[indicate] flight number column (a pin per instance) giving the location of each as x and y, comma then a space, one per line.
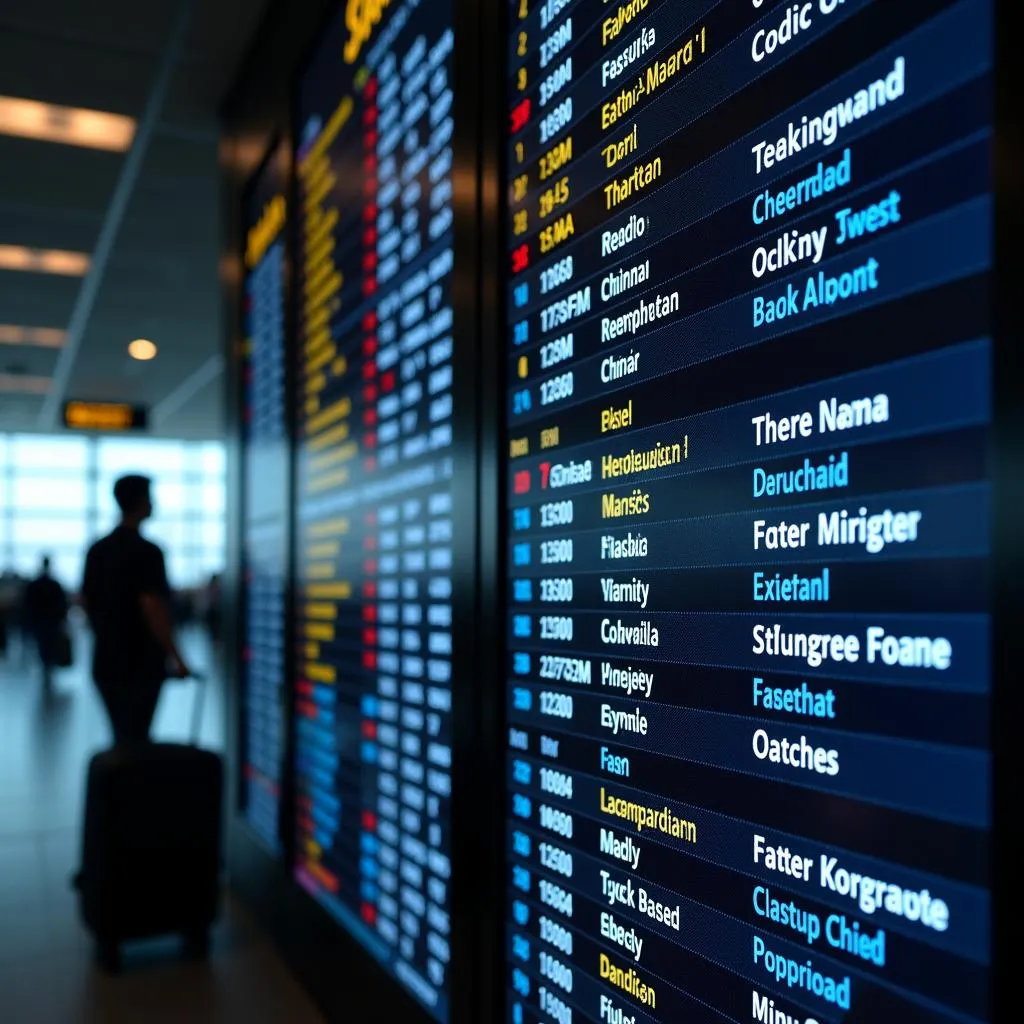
543, 947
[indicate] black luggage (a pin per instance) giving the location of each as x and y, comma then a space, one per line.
151, 845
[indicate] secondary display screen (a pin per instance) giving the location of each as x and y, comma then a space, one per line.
374, 531
265, 496
749, 407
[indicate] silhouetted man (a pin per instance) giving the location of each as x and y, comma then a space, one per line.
127, 600
46, 608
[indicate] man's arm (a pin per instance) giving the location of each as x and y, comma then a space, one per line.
156, 610
157, 614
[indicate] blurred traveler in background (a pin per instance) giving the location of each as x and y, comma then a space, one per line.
12, 610
128, 603
46, 612
6, 610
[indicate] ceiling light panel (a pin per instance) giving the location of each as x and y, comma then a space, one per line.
43, 261
69, 126
39, 337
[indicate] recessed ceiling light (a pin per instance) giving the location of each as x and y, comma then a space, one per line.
43, 261
41, 337
70, 126
142, 349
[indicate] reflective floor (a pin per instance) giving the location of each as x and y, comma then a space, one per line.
47, 972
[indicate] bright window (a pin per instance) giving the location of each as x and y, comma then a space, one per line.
67, 568
67, 494
212, 534
181, 570
53, 502
170, 497
117, 456
34, 453
211, 561
168, 533
45, 532
213, 499
213, 459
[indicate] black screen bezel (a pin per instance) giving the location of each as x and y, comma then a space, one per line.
278, 150
1008, 489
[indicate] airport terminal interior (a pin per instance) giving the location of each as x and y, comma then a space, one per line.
506, 511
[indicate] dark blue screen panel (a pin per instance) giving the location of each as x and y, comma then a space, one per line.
748, 501
265, 504
374, 506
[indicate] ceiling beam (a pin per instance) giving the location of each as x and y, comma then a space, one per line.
188, 388
55, 32
115, 216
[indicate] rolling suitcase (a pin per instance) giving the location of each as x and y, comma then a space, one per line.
151, 843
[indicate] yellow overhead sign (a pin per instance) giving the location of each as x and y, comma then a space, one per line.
104, 416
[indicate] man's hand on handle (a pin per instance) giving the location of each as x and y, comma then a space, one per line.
157, 613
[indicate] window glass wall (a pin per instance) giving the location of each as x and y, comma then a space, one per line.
56, 497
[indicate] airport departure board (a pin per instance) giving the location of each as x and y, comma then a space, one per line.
265, 495
748, 472
374, 503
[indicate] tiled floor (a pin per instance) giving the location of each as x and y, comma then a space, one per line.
47, 974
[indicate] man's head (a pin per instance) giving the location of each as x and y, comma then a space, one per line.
132, 496
45, 564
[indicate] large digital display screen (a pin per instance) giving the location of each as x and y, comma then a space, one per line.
748, 503
374, 484
266, 470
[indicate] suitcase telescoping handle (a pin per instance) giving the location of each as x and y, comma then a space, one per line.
197, 707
